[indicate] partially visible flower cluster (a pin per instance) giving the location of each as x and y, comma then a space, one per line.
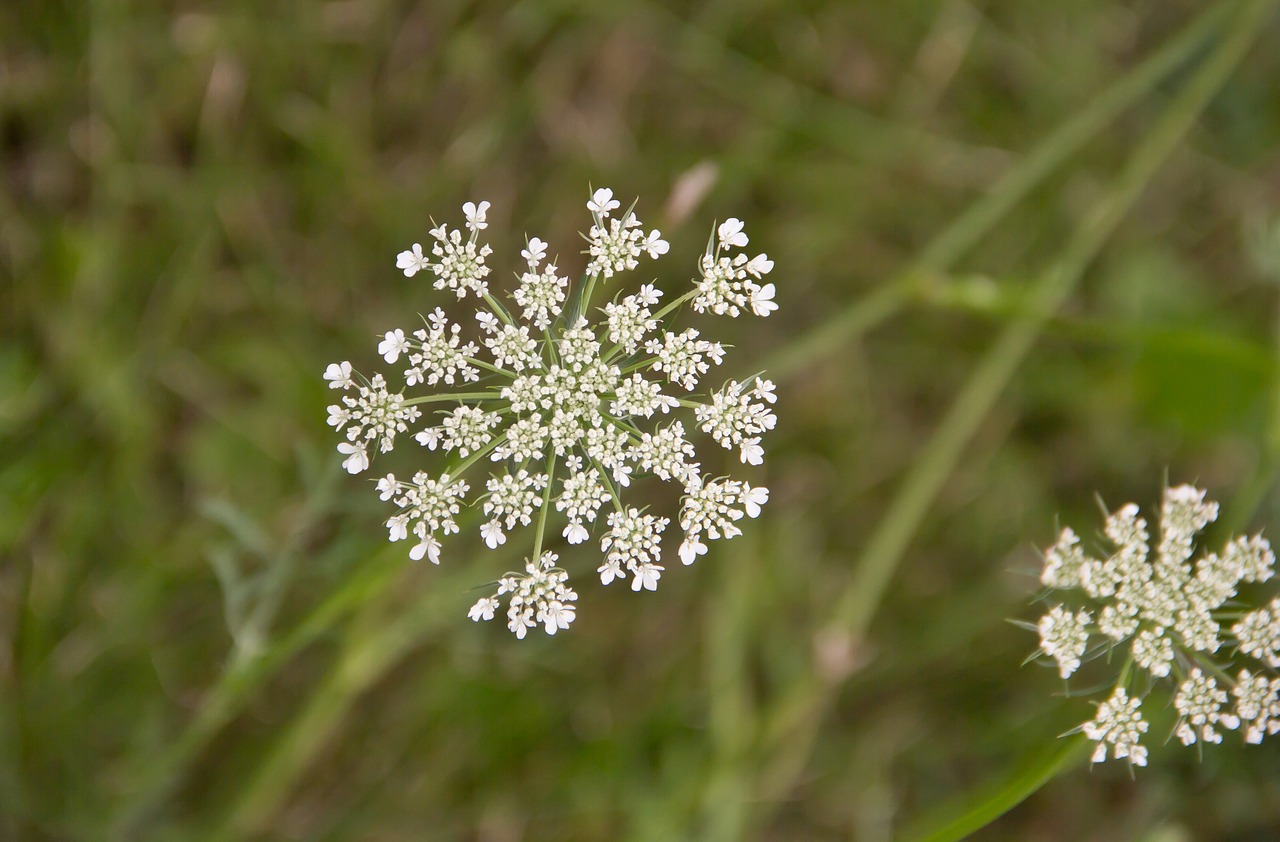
568, 401
1178, 621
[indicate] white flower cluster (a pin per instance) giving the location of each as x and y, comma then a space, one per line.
1177, 618
569, 401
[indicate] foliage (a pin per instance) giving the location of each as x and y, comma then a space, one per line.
1010, 253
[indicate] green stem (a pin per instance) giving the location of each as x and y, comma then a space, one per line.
540, 531
455, 396
943, 451
497, 309
461, 468
239, 681
490, 367
584, 306
977, 810
791, 732
637, 365
661, 314
963, 233
1266, 470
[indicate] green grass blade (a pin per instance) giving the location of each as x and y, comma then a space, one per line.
976, 811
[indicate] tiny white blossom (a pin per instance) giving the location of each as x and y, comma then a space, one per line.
655, 245
492, 534
602, 202
357, 457
753, 499
646, 577
731, 234
690, 549
393, 345
1064, 636
759, 266
428, 547
483, 610
339, 375
412, 262
387, 487
1199, 703
535, 252
762, 303
1118, 725
475, 215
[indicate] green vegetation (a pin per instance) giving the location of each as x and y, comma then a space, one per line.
1026, 254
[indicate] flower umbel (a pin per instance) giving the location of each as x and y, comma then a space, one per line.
1175, 619
567, 400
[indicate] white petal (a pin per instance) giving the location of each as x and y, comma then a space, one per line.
492, 534
753, 499
387, 487
731, 234
357, 459
690, 549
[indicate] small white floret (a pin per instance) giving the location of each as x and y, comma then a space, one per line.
393, 345
483, 610
535, 252
339, 375
655, 245
602, 202
357, 457
429, 547
476, 216
387, 487
731, 233
762, 303
412, 262
690, 549
754, 498
492, 534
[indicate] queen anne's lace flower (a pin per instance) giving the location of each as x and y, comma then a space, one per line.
1177, 619
568, 400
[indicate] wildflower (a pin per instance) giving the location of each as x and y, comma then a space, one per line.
1119, 725
540, 596
563, 401
1063, 637
1199, 703
1168, 611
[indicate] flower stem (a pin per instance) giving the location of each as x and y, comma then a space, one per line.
455, 396
542, 513
674, 304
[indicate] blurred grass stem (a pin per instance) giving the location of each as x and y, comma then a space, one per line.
961, 235
790, 734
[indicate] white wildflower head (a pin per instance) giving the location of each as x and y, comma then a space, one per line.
1063, 637
538, 597
1116, 729
1200, 702
730, 281
1176, 621
557, 400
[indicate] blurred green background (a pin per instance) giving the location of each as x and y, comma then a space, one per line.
203, 632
